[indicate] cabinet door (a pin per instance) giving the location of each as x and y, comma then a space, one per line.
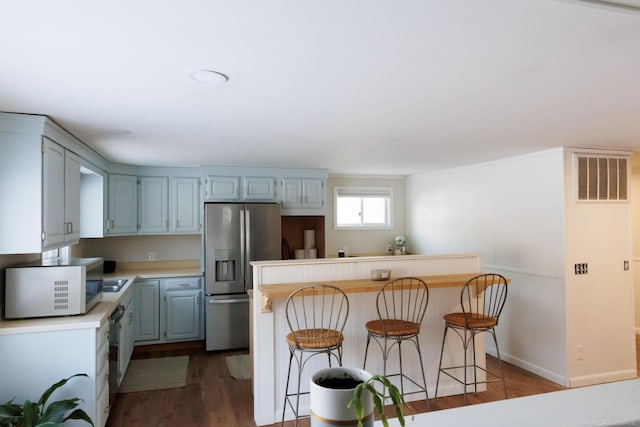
291, 193
183, 315
221, 188
185, 205
71, 197
123, 204
125, 349
313, 194
259, 188
146, 322
53, 195
154, 204
303, 196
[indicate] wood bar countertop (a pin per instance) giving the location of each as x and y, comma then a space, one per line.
283, 290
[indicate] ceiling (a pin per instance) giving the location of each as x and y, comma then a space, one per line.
357, 87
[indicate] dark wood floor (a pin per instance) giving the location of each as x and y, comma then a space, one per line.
212, 397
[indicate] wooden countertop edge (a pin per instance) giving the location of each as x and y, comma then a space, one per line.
283, 290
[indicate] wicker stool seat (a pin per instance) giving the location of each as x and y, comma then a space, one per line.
401, 304
315, 338
392, 327
470, 320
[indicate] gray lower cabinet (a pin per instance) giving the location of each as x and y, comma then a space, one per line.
147, 308
169, 310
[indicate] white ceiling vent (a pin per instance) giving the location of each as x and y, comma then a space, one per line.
601, 178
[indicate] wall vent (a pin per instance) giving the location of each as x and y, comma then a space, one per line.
601, 178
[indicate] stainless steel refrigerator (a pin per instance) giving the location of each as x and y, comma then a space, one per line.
235, 235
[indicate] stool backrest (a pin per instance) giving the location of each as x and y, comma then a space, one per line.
317, 307
492, 288
405, 298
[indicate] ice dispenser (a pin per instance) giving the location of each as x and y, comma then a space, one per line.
225, 265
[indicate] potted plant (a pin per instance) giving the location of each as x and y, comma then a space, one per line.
32, 414
340, 395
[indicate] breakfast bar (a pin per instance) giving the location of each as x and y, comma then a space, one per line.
275, 280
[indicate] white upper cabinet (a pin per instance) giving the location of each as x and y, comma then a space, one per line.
154, 205
40, 177
259, 188
300, 191
61, 196
123, 204
185, 205
53, 226
302, 196
222, 188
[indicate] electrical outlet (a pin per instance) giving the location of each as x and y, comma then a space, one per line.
152, 256
389, 249
579, 352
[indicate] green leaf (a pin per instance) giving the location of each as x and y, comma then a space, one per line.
79, 414
9, 411
30, 414
47, 393
56, 411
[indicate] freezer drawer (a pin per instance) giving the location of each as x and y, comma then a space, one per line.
227, 321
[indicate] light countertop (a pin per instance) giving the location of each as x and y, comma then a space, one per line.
99, 314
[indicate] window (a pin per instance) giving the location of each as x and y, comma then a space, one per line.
362, 208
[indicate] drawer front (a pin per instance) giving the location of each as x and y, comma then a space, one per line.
102, 335
102, 378
102, 406
102, 356
182, 283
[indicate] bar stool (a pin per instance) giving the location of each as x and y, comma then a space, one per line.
482, 300
401, 304
316, 316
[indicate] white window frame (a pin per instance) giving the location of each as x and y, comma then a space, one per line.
363, 192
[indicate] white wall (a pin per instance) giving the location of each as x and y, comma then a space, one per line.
364, 241
510, 211
599, 304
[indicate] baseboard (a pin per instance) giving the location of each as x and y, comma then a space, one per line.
605, 377
534, 369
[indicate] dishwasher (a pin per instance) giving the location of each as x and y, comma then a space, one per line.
115, 332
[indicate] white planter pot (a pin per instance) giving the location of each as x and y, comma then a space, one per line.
329, 405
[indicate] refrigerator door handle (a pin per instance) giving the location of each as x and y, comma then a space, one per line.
242, 247
229, 301
248, 278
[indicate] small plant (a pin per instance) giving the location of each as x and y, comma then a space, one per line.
38, 414
378, 399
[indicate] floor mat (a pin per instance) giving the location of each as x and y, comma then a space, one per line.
155, 374
239, 366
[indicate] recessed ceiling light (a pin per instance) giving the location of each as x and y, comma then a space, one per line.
208, 76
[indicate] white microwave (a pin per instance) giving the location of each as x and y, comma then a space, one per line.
46, 289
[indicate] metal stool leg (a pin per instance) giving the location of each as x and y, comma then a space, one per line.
424, 378
286, 388
366, 351
444, 337
475, 373
504, 382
